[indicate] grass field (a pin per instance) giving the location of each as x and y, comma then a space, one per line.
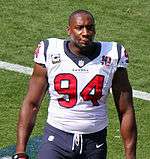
25, 23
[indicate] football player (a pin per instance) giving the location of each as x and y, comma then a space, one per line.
78, 74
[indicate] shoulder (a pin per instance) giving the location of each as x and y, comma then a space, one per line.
107, 46
110, 48
53, 40
54, 43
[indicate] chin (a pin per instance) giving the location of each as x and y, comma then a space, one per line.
86, 45
83, 45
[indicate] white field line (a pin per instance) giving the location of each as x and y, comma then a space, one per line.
28, 71
16, 68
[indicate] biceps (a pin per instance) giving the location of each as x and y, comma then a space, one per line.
120, 81
122, 91
37, 88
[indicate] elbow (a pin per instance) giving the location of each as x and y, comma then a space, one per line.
30, 106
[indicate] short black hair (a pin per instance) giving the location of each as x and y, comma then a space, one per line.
80, 11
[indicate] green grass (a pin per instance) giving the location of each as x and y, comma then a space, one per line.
13, 88
25, 23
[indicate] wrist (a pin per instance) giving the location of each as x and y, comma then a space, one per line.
20, 156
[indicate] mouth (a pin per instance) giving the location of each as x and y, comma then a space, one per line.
85, 41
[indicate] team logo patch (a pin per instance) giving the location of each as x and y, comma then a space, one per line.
81, 63
55, 58
51, 138
106, 60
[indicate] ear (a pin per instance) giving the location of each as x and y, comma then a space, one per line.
68, 30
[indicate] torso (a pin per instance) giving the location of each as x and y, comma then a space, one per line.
79, 86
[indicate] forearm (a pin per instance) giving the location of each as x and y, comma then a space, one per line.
129, 134
25, 125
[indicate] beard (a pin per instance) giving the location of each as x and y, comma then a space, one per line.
84, 49
81, 46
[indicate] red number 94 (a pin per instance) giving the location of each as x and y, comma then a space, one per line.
92, 91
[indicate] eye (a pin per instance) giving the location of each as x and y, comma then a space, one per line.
91, 27
78, 27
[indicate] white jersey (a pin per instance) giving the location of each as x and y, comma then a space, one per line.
79, 86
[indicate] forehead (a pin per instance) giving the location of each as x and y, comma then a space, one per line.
81, 19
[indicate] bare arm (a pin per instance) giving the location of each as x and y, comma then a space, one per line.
122, 93
27, 116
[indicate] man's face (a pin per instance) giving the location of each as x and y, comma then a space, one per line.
81, 30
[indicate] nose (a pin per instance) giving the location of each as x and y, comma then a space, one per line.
85, 31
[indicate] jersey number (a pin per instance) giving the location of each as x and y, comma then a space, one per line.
66, 84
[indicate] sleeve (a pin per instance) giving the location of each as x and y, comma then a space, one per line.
39, 56
124, 59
